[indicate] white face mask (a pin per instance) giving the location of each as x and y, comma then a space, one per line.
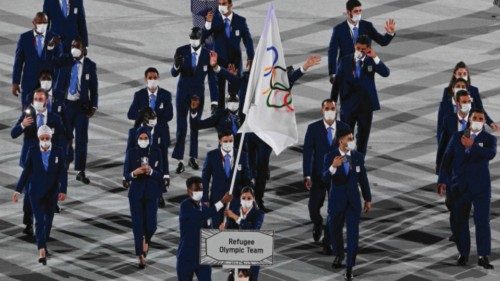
223, 9
195, 43
45, 145
329, 115
197, 195
143, 143
247, 204
41, 28
152, 122
227, 146
76, 53
351, 145
152, 84
243, 278
466, 107
358, 55
46, 84
233, 106
476, 126
39, 106
356, 18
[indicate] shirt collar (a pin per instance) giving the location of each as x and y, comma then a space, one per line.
460, 117
333, 126
351, 26
198, 52
342, 153
224, 153
43, 34
244, 216
476, 133
43, 113
152, 93
230, 17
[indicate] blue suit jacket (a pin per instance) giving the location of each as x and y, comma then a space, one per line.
228, 49
221, 120
71, 27
27, 63
357, 91
144, 186
88, 84
357, 175
253, 220
341, 43
213, 170
157, 142
468, 173
450, 127
193, 82
163, 109
446, 108
43, 183
316, 146
192, 218
59, 138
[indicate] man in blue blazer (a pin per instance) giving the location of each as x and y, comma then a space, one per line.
465, 172
319, 141
32, 118
218, 170
34, 53
193, 217
77, 85
356, 87
44, 180
228, 30
67, 19
160, 101
343, 170
192, 65
345, 35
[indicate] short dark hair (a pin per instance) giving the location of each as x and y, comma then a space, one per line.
462, 93
459, 65
248, 189
325, 101
40, 90
45, 72
151, 69
364, 39
351, 4
477, 110
224, 133
193, 180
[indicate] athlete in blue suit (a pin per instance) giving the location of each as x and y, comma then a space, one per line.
67, 19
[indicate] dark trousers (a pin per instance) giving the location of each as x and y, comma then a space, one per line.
43, 211
77, 122
317, 195
259, 153
144, 220
363, 120
183, 107
462, 204
27, 210
186, 269
344, 211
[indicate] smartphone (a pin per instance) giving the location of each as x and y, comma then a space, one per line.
467, 133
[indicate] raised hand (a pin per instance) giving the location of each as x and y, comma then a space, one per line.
390, 26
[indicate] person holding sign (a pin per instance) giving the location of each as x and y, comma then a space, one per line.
144, 169
192, 218
344, 169
249, 216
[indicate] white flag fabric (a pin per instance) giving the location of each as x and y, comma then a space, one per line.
268, 102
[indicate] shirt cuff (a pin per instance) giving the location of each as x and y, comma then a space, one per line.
176, 68
208, 25
214, 103
132, 175
219, 206
308, 178
94, 107
166, 176
193, 115
376, 60
50, 48
216, 69
303, 69
22, 126
333, 170
238, 221
333, 75
151, 172
392, 34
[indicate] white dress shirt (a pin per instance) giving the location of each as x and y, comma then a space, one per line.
332, 169
460, 119
224, 155
208, 25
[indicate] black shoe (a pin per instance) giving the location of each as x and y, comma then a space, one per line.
348, 274
193, 164
462, 261
161, 202
484, 262
142, 265
43, 260
180, 168
28, 230
58, 209
82, 177
337, 262
47, 254
263, 208
451, 238
317, 229
327, 251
